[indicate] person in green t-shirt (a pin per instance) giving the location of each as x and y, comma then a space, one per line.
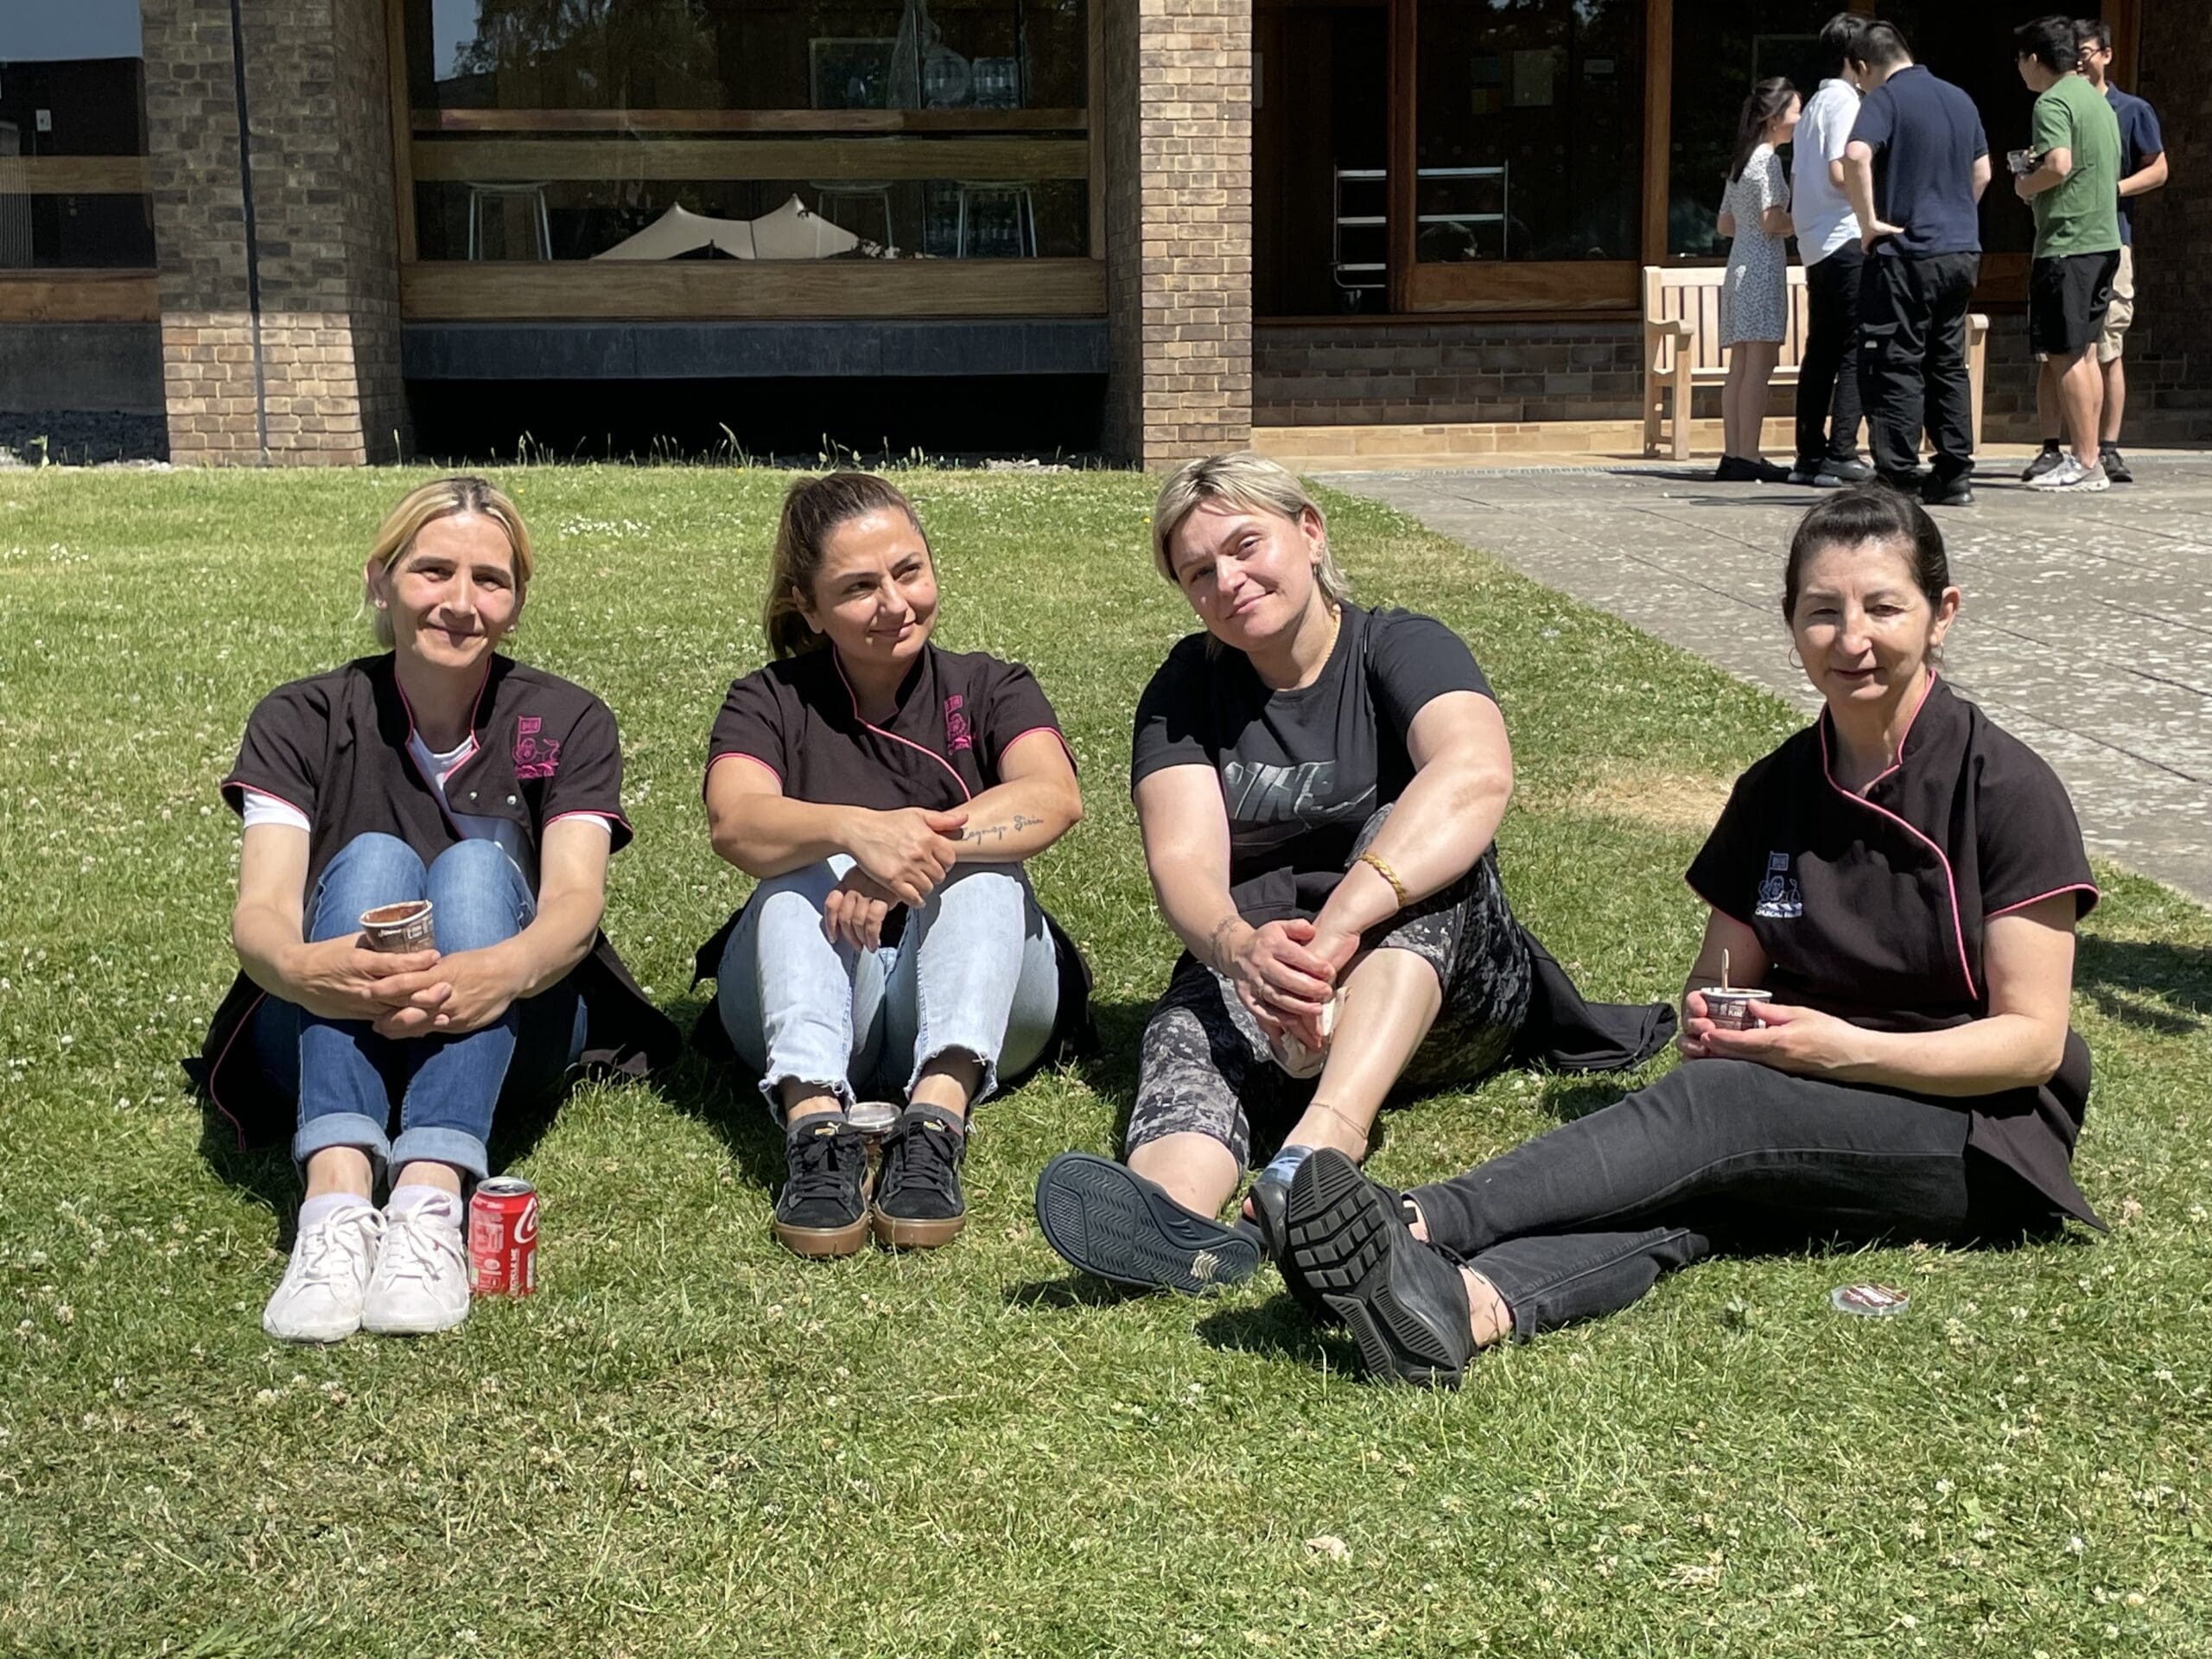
2074, 186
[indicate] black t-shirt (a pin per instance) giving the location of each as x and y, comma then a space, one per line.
1875, 906
957, 714
1926, 136
1302, 769
334, 746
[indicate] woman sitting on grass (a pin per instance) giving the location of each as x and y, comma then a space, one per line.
1317, 786
885, 793
439, 771
1901, 879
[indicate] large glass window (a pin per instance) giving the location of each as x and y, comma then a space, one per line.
1529, 130
732, 128
73, 137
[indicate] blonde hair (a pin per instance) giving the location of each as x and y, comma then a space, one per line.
447, 498
813, 507
1253, 482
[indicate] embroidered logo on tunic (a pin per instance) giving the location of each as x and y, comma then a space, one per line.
535, 756
1778, 893
956, 735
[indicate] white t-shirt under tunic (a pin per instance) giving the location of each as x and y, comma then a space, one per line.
267, 808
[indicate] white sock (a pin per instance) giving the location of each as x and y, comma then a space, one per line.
420, 1195
328, 1206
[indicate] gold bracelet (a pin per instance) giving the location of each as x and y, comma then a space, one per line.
1388, 875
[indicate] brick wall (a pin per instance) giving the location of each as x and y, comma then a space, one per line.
1179, 226
327, 385
1356, 373
2170, 350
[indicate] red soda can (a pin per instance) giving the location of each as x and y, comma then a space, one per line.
503, 1237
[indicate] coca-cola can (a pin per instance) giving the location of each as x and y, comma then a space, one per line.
503, 1237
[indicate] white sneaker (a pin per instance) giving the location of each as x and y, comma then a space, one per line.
2070, 474
319, 1299
421, 1283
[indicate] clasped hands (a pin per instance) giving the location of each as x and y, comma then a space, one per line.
1285, 972
898, 858
405, 994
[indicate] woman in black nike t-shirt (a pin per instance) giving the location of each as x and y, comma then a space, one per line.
1317, 786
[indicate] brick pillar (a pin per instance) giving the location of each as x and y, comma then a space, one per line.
326, 384
2169, 347
1179, 226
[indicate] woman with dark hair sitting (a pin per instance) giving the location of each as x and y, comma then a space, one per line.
885, 792
1901, 880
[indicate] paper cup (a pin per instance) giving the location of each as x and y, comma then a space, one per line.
1869, 1301
397, 928
1293, 1057
1730, 1007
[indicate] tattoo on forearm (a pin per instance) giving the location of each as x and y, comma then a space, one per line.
1214, 942
997, 832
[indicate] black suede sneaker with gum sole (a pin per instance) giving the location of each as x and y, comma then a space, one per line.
822, 1209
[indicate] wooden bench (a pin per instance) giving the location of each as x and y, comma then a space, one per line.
1681, 347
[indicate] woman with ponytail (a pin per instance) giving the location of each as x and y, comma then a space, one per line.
885, 793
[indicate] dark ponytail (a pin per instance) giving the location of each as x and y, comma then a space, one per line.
1864, 514
813, 508
1768, 100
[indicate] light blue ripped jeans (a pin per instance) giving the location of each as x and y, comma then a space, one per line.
975, 971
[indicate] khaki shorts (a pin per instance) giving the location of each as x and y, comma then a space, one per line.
2122, 311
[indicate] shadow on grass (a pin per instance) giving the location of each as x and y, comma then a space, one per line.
266, 1172
2119, 975
1073, 1290
722, 1095
1277, 1329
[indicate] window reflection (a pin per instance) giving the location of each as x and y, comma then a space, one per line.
1530, 122
744, 54
73, 89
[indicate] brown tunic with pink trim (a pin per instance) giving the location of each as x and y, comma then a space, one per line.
1874, 906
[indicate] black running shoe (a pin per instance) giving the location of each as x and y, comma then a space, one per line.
1946, 493
1270, 1201
2050, 457
1403, 1300
822, 1209
1104, 1217
2115, 464
1847, 469
918, 1205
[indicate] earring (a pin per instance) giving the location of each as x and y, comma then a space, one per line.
1795, 661
382, 606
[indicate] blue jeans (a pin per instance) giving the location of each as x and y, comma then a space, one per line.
346, 1076
976, 971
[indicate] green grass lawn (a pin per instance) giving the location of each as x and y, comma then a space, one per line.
692, 1443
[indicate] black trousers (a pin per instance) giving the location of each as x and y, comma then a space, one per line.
1912, 361
1827, 401
1717, 1154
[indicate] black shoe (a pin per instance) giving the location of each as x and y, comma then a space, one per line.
1403, 1300
1734, 469
1954, 493
1847, 469
2115, 464
918, 1205
1764, 471
822, 1209
1104, 1217
1270, 1221
2049, 456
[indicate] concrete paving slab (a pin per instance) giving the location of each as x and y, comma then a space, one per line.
2086, 630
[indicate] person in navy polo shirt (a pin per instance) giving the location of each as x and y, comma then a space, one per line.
443, 770
1903, 879
885, 792
1914, 169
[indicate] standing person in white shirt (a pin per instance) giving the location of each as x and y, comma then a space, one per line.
1827, 240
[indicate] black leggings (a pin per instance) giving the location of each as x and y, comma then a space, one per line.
1716, 1155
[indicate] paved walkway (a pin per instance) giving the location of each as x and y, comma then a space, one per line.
2087, 631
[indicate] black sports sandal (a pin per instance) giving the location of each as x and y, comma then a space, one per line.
918, 1205
1403, 1300
1106, 1219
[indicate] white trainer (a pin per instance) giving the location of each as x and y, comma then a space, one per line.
421, 1282
319, 1299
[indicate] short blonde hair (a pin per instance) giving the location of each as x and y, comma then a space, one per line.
1250, 480
446, 498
